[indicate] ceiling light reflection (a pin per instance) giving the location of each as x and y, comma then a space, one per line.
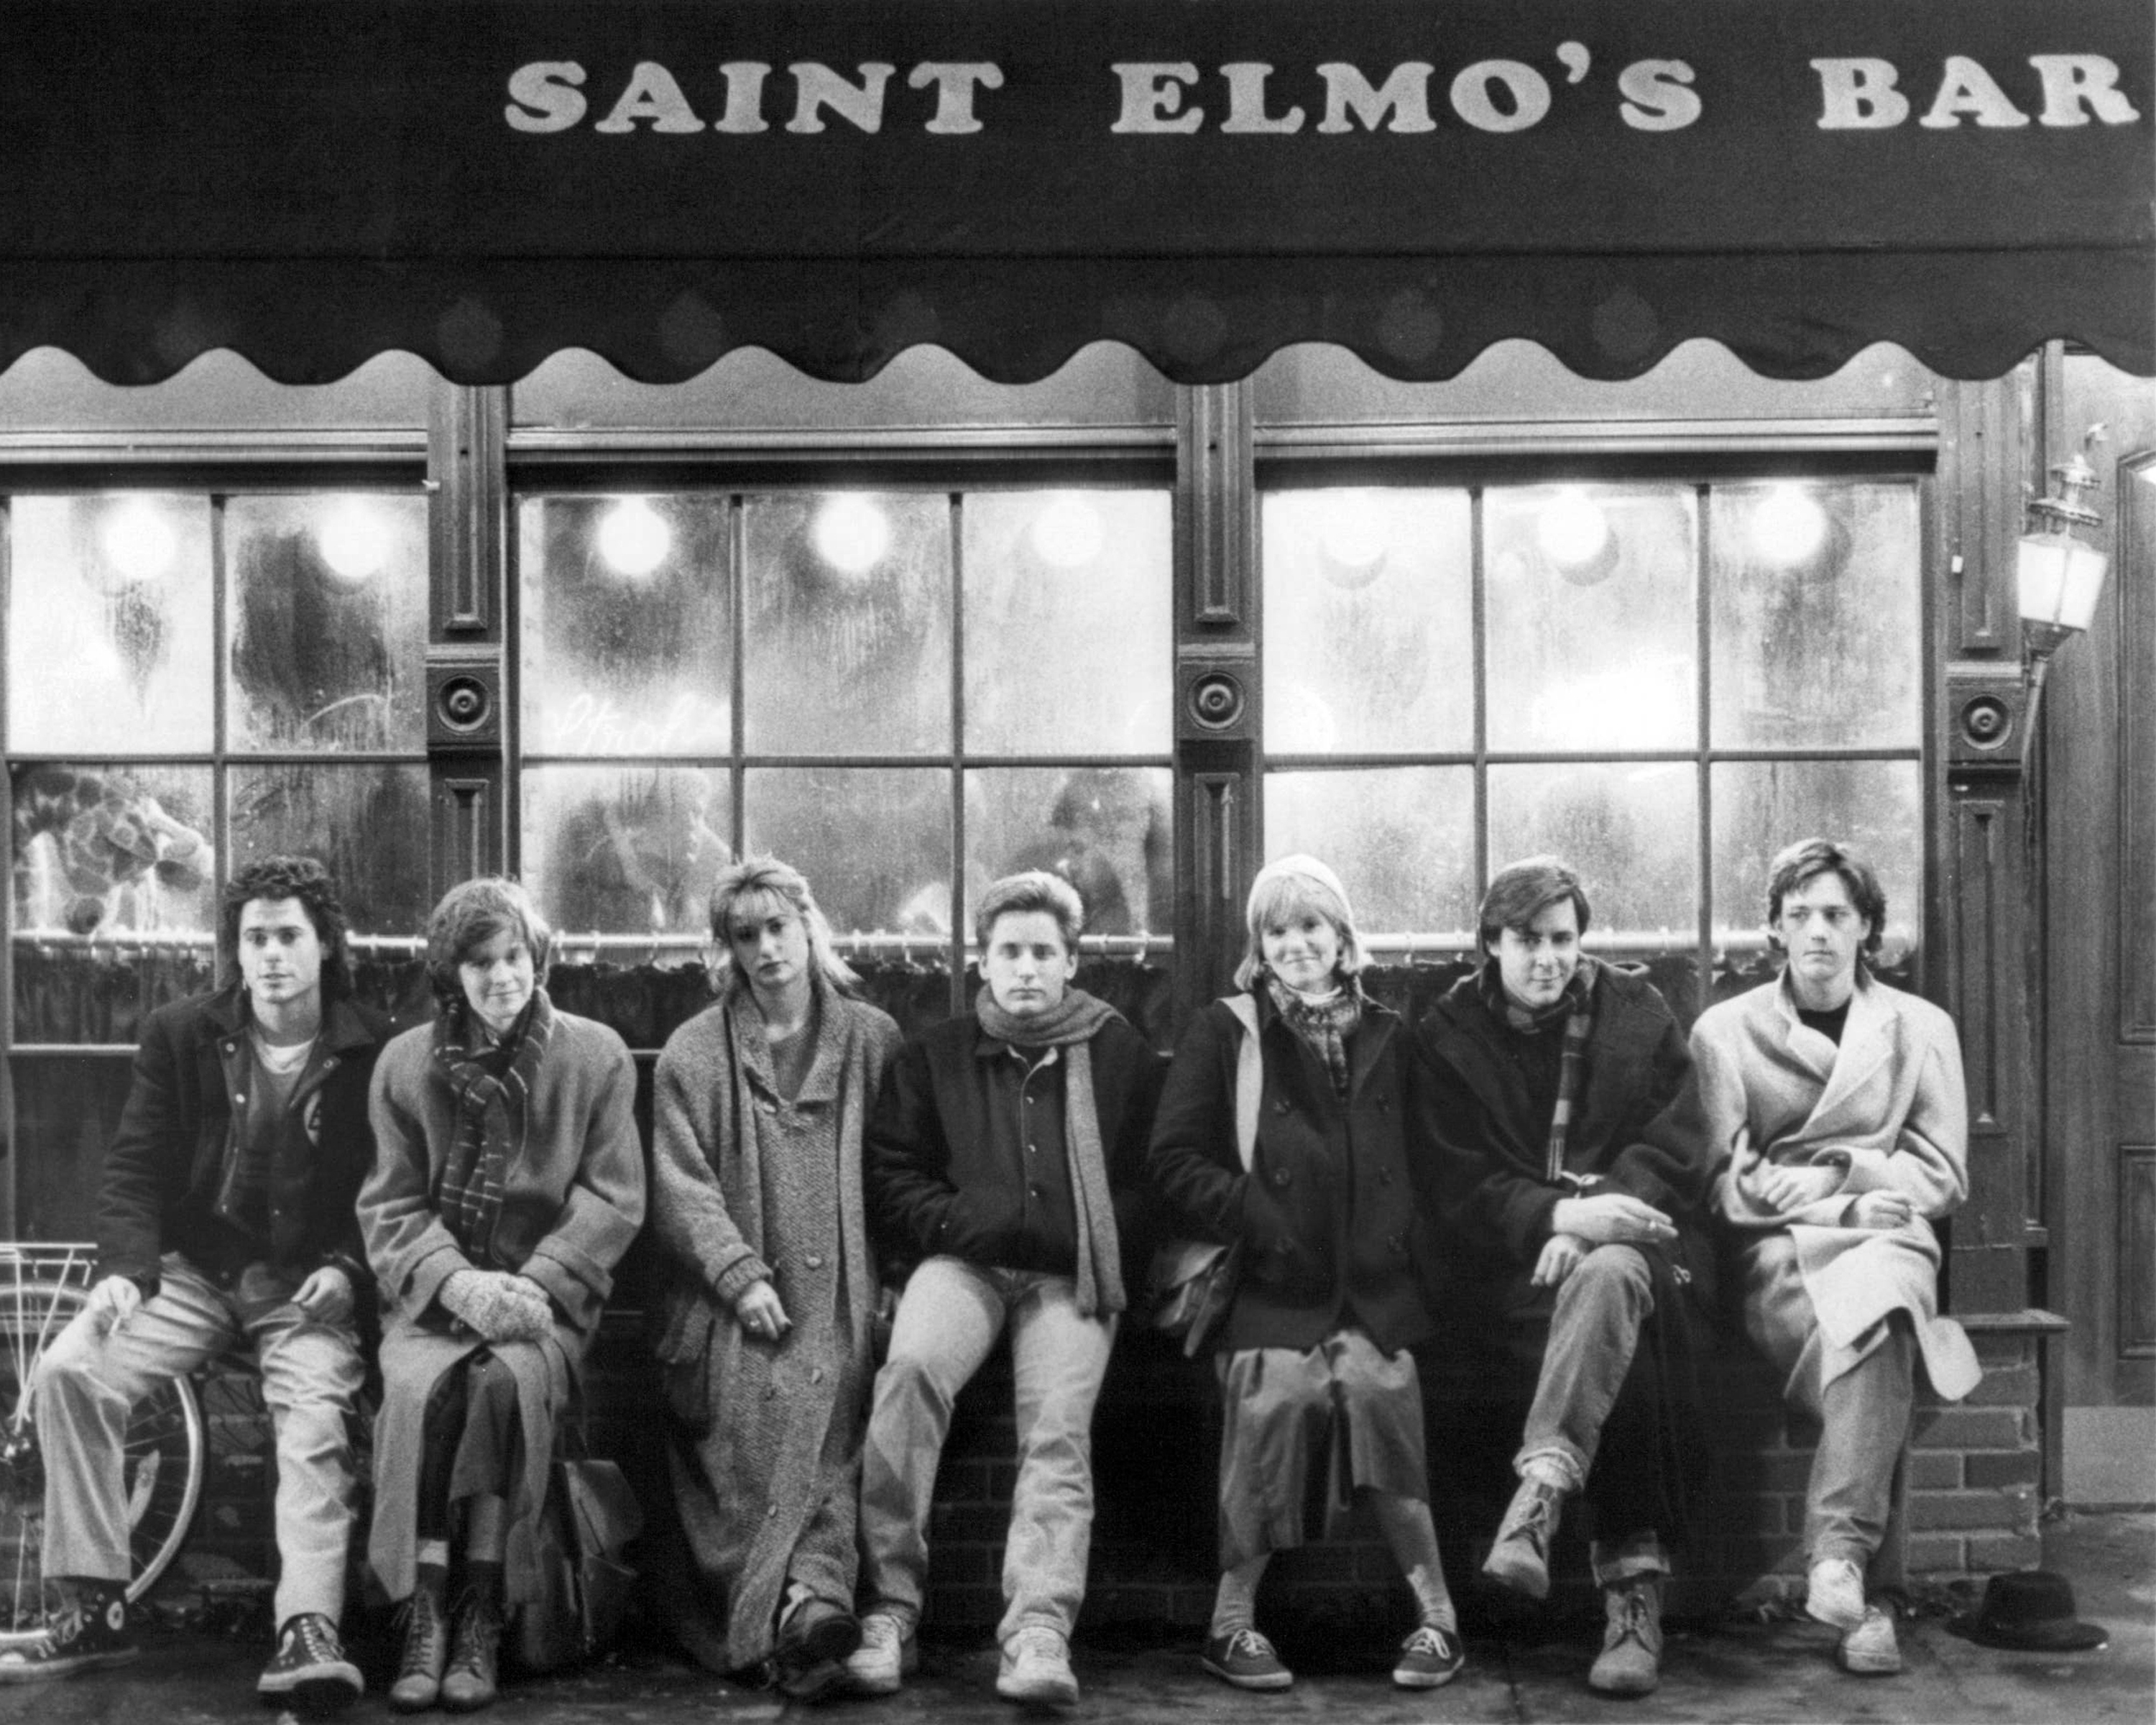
852, 534
139, 540
354, 540
1068, 533
635, 539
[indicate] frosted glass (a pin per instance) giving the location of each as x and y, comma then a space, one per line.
1823, 647
626, 660
849, 627
113, 850
1401, 839
1592, 637
626, 849
1067, 637
327, 622
1632, 832
874, 842
367, 825
1107, 830
109, 630
1368, 609
1761, 806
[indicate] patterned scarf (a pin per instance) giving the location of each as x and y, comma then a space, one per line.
1574, 1008
1070, 1025
491, 1091
1324, 1021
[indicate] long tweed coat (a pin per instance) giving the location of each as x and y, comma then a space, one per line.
1885, 1110
573, 1203
748, 1186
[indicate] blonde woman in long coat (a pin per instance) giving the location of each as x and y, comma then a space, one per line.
758, 1114
507, 1183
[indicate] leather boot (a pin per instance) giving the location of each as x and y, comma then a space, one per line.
474, 1654
1631, 1658
426, 1626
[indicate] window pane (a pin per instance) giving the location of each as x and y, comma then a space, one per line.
1818, 636
628, 625
1401, 839
1761, 806
367, 825
1107, 830
1067, 642
109, 646
328, 622
875, 844
67, 1109
1592, 632
1631, 832
1368, 621
626, 849
849, 635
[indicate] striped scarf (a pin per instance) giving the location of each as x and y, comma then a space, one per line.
1323, 1021
490, 1088
1575, 1010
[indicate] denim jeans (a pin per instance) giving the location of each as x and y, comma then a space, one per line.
311, 1374
948, 1320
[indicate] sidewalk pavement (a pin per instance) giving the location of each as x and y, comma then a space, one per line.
1760, 1673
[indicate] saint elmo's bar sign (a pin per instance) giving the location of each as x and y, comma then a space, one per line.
481, 180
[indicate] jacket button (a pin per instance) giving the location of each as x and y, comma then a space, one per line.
771, 1514
815, 1263
1283, 1106
817, 1375
1396, 1243
1384, 1177
1280, 1177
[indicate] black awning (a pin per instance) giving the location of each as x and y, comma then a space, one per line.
482, 182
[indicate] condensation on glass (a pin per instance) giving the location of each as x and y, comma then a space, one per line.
625, 850
367, 825
1816, 618
628, 625
1368, 609
109, 619
1066, 616
1401, 839
1590, 633
875, 844
1107, 830
326, 622
1631, 830
847, 626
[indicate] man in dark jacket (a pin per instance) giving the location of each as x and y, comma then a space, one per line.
1573, 1162
1005, 1164
225, 1219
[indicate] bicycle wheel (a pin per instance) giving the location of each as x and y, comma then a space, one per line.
162, 1466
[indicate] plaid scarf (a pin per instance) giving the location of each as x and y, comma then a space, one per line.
1324, 1021
1574, 1008
490, 1088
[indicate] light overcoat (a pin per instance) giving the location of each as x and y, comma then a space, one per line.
573, 1203
1885, 1110
748, 1186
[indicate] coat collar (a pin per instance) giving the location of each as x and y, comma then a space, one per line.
344, 1027
1379, 1021
835, 1027
1867, 1040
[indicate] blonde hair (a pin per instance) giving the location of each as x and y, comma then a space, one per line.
1283, 898
767, 877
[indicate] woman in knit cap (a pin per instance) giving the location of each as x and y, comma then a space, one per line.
758, 1114
1316, 1380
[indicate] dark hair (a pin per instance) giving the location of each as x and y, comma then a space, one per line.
472, 913
1521, 892
1798, 865
300, 877
1035, 890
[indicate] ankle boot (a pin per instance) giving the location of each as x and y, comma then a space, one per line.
426, 1632
474, 1654
1631, 1658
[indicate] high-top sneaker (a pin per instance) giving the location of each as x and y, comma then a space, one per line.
88, 1633
309, 1668
474, 1654
426, 1654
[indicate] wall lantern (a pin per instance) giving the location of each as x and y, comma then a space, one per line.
2060, 571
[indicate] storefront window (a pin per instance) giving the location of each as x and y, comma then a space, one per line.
1672, 681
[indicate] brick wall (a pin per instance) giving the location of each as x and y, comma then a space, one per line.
1973, 1500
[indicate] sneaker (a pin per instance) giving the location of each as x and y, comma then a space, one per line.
887, 1656
1035, 1669
1871, 1649
87, 1634
425, 1629
815, 1639
1833, 1593
1245, 1659
1429, 1658
474, 1673
308, 1671
1631, 1662
1519, 1559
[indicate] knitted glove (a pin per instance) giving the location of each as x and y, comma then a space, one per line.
500, 1307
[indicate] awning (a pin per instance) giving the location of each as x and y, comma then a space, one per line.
482, 182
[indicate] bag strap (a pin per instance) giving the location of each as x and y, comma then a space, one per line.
1249, 1079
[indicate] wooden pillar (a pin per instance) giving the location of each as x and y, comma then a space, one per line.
1217, 698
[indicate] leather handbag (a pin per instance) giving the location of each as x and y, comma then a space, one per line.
1191, 1283
583, 1527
